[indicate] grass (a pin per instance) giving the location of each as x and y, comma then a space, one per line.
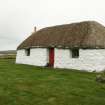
29, 85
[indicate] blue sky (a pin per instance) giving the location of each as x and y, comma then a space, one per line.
18, 17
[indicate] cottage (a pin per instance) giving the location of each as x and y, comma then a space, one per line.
78, 46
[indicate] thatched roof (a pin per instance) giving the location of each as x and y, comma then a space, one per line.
88, 34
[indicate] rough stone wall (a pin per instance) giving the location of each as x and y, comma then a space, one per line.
89, 59
38, 57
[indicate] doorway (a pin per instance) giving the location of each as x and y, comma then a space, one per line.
51, 57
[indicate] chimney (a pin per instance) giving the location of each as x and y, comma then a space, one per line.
34, 29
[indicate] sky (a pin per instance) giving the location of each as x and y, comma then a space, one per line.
19, 17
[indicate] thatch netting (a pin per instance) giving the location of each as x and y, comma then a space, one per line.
88, 34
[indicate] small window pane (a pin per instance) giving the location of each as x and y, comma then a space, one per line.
75, 53
28, 52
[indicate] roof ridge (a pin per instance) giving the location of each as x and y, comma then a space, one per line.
73, 23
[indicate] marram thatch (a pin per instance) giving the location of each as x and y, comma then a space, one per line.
88, 34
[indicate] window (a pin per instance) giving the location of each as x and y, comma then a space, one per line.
28, 52
75, 53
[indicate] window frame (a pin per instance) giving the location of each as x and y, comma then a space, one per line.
75, 53
27, 52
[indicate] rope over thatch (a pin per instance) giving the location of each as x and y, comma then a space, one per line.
88, 34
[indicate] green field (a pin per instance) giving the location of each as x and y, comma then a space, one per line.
29, 85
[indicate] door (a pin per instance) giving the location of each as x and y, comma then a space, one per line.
51, 57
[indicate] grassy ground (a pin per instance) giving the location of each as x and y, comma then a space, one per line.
7, 56
29, 85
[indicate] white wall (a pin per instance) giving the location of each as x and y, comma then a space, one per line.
89, 59
38, 57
